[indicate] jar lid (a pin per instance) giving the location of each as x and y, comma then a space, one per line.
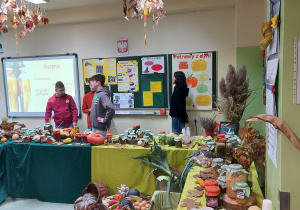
24, 129
218, 160
108, 135
207, 139
224, 167
241, 184
222, 178
223, 140
221, 135
210, 143
162, 132
149, 131
47, 124
177, 139
77, 134
235, 166
212, 190
56, 131
121, 134
210, 182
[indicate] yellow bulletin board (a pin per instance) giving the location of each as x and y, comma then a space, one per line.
200, 72
146, 77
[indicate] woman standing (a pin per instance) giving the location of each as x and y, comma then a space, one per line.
178, 102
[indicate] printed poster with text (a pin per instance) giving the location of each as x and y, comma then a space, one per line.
107, 67
152, 65
128, 76
198, 71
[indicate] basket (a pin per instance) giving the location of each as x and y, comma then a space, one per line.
133, 141
98, 189
162, 186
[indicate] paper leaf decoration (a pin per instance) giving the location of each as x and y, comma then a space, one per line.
190, 203
195, 193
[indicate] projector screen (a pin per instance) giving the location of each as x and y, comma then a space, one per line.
30, 81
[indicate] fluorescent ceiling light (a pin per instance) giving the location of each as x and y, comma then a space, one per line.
38, 1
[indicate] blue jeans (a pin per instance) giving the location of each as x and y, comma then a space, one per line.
62, 127
177, 125
103, 133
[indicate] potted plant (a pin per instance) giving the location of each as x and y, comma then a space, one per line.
209, 124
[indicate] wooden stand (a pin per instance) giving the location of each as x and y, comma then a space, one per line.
231, 204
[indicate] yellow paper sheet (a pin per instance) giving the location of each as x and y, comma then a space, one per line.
155, 86
148, 98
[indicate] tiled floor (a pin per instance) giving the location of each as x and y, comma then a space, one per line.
32, 204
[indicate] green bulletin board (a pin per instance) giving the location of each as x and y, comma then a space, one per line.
145, 81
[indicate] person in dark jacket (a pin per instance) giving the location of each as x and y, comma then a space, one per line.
178, 102
102, 110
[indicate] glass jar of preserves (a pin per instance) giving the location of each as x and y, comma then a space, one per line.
212, 196
221, 148
178, 142
216, 165
48, 127
84, 136
230, 145
162, 138
150, 134
26, 138
235, 173
78, 137
223, 170
24, 131
242, 192
122, 138
222, 184
211, 146
56, 135
206, 140
140, 133
38, 130
108, 137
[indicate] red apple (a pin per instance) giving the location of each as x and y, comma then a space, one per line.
162, 111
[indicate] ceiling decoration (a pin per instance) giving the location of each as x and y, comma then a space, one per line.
140, 9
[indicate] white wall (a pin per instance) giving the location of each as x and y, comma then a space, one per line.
91, 32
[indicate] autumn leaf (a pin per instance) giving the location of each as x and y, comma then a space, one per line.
195, 193
190, 203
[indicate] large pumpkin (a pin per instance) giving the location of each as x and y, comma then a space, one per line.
95, 138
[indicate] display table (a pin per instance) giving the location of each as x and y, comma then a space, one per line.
47, 172
3, 172
191, 183
113, 166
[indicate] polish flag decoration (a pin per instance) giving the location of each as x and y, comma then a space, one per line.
122, 46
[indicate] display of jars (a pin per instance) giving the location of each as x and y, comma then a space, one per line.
77, 137
26, 138
38, 130
235, 173
84, 137
221, 147
140, 133
206, 140
149, 133
230, 146
242, 192
56, 135
24, 131
211, 146
128, 131
216, 165
222, 184
178, 142
212, 196
122, 138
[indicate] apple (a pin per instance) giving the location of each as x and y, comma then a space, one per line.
162, 111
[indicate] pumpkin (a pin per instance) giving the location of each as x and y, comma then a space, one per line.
3, 139
95, 138
15, 137
190, 80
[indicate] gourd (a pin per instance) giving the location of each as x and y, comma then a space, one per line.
95, 138
15, 137
74, 130
134, 192
171, 142
37, 138
201, 182
67, 141
3, 139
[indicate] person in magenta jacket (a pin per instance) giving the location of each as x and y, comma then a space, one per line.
63, 106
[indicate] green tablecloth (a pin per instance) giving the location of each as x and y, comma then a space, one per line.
47, 172
113, 166
3, 172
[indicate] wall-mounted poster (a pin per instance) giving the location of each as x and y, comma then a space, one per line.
198, 69
152, 65
107, 67
128, 77
123, 100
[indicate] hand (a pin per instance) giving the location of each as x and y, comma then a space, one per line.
90, 110
74, 123
100, 119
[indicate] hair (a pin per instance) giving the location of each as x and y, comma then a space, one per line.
59, 84
180, 79
99, 78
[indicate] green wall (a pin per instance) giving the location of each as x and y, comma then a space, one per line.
251, 58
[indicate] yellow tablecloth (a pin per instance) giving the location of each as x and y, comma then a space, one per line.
191, 183
113, 166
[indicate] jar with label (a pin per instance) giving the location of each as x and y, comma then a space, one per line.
221, 148
212, 196
48, 127
23, 131
122, 138
178, 142
211, 146
140, 133
45, 133
222, 184
223, 170
162, 138
235, 173
31, 133
38, 130
128, 131
56, 135
230, 145
242, 192
26, 138
150, 134
216, 165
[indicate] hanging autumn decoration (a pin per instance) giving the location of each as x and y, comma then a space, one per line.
142, 8
20, 15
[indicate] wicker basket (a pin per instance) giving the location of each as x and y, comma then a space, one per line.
133, 141
98, 189
162, 186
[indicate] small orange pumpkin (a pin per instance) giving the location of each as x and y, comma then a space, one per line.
95, 138
190, 80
